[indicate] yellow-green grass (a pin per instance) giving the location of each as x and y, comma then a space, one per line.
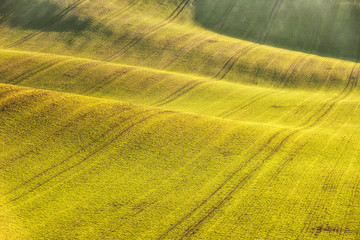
93, 168
331, 101
143, 35
139, 124
326, 27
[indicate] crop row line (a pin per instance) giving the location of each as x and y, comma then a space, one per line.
180, 92
150, 30
193, 227
185, 49
108, 142
232, 60
245, 104
271, 20
52, 21
46, 139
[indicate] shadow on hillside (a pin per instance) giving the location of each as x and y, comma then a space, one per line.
325, 27
42, 15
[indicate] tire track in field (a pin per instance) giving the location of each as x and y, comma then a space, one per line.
237, 186
245, 104
204, 140
40, 68
50, 136
286, 162
178, 93
324, 197
178, 223
354, 192
147, 32
93, 89
352, 82
270, 22
252, 100
5, 18
232, 60
9, 65
185, 49
192, 228
110, 19
107, 143
225, 15
328, 106
131, 5
52, 21
291, 70
104, 134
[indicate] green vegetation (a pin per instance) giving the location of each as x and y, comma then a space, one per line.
325, 27
126, 120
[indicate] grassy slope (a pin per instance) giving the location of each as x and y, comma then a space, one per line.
91, 168
276, 160
325, 27
283, 106
149, 35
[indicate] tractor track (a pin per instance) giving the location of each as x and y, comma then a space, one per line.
328, 187
220, 187
93, 89
226, 14
33, 72
104, 134
232, 60
327, 107
291, 70
203, 141
270, 22
238, 185
107, 143
150, 30
245, 104
52, 21
292, 156
322, 198
57, 132
185, 49
192, 228
178, 93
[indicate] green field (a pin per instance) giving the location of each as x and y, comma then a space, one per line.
150, 119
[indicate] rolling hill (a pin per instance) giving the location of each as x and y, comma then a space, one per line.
152, 119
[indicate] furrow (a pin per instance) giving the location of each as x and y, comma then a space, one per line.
244, 105
261, 36
238, 186
46, 139
292, 69
185, 49
150, 30
272, 22
193, 227
226, 14
85, 158
39, 69
232, 60
107, 81
174, 97
89, 145
222, 185
49, 23
327, 107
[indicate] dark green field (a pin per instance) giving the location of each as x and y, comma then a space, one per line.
179, 119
